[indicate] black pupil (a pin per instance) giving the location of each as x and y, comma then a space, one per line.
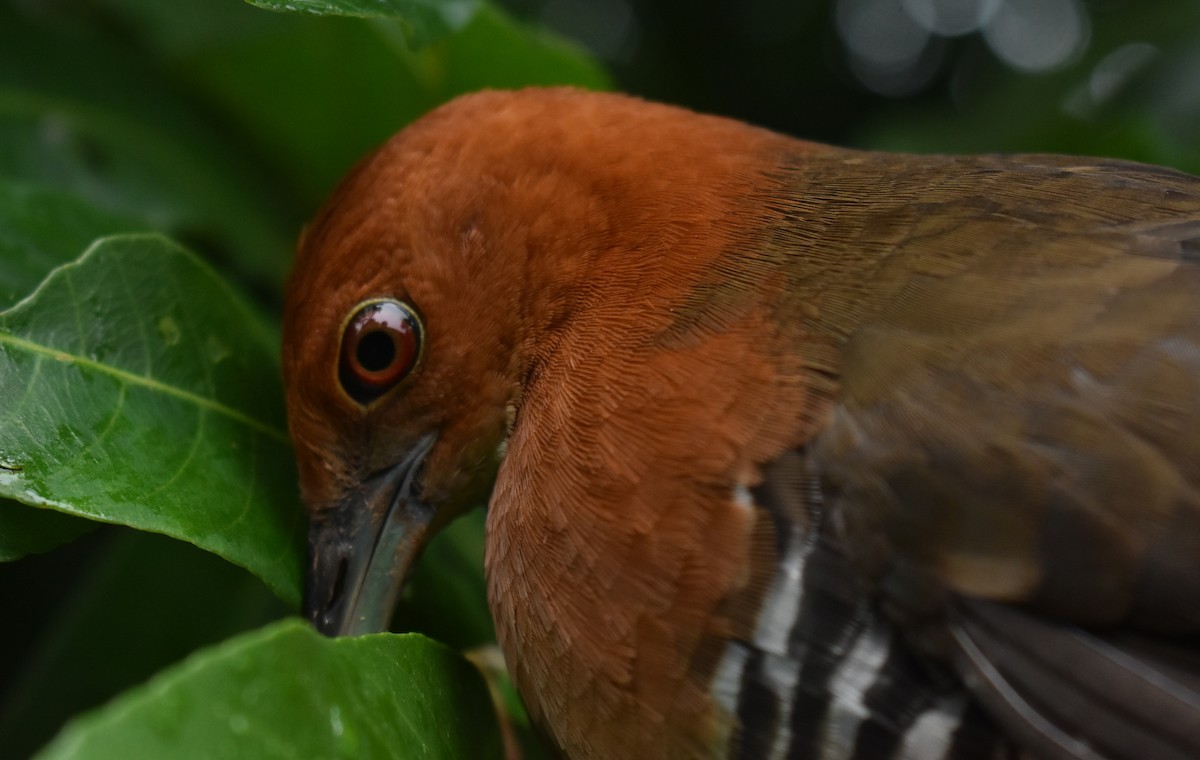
376, 351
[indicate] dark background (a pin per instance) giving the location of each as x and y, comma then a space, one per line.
1116, 77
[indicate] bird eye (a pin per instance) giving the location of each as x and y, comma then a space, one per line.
380, 346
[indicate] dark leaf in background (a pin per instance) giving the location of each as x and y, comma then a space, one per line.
81, 111
140, 603
316, 94
28, 530
446, 598
43, 227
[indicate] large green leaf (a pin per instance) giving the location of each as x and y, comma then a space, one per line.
140, 390
425, 20
141, 602
287, 692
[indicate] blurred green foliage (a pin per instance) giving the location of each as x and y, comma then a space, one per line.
1131, 89
221, 126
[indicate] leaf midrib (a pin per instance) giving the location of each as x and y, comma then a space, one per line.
145, 382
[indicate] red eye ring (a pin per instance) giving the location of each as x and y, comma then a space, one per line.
381, 344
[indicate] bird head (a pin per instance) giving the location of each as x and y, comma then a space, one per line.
400, 360
442, 272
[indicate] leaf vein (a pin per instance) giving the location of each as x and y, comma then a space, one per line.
249, 498
187, 459
141, 324
14, 411
109, 424
146, 382
69, 279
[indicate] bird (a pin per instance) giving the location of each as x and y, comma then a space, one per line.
788, 450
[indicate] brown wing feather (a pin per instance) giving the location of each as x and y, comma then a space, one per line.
1015, 349
1017, 417
1074, 693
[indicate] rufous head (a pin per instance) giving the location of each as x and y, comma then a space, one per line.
400, 358
428, 288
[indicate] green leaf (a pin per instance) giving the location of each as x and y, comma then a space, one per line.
319, 93
28, 530
495, 51
425, 20
346, 87
140, 390
288, 692
41, 228
100, 639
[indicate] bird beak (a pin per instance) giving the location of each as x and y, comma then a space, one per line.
360, 551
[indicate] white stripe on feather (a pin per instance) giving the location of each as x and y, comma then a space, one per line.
930, 735
782, 604
783, 674
727, 683
850, 683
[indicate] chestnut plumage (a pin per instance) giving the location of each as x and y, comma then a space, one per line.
789, 450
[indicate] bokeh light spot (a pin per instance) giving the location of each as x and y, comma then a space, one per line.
1037, 35
951, 18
